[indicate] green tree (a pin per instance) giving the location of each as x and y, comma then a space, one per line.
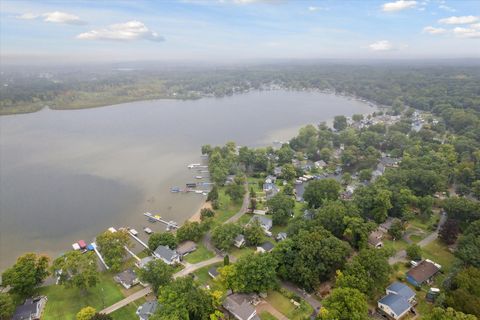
448, 314
253, 233
476, 189
331, 217
414, 252
465, 291
340, 123
346, 178
462, 209
223, 236
189, 231
213, 194
86, 313
357, 117
157, 273
162, 239
75, 269
469, 245
7, 306
280, 207
206, 213
365, 175
397, 228
112, 246
344, 304
288, 172
183, 299
319, 191
26, 274
449, 231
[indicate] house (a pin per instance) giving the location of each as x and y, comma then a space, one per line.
277, 171
127, 278
423, 272
213, 272
147, 309
384, 227
320, 164
240, 307
239, 241
375, 239
185, 248
270, 190
166, 254
265, 223
265, 247
143, 262
270, 179
31, 309
398, 301
281, 236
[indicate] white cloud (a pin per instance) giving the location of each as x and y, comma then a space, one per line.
382, 45
459, 20
131, 30
446, 8
475, 26
466, 32
62, 17
398, 5
313, 9
433, 30
54, 17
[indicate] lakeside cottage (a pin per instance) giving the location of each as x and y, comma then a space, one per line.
423, 272
31, 309
185, 248
127, 278
267, 246
167, 255
147, 309
398, 301
240, 307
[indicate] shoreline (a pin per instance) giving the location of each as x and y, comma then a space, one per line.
196, 216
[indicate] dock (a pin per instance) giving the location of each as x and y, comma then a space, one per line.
170, 224
138, 239
94, 245
132, 254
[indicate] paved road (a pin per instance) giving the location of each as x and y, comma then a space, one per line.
316, 305
193, 267
402, 254
122, 303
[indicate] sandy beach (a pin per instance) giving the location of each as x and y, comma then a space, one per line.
196, 215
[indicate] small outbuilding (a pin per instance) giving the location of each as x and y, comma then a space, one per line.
186, 247
147, 309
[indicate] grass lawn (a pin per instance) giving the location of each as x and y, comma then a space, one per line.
284, 306
200, 254
237, 253
204, 278
425, 225
245, 219
128, 312
439, 253
64, 303
396, 245
227, 207
265, 315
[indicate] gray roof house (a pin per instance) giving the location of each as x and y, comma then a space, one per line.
166, 254
239, 241
398, 302
186, 247
127, 278
31, 309
213, 272
143, 262
265, 247
239, 306
265, 223
281, 236
147, 309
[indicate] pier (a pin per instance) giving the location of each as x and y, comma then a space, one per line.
132, 254
170, 224
94, 245
138, 239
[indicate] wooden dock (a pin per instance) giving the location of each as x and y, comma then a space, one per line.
138, 239
94, 245
170, 224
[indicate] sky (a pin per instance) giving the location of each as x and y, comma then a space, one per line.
231, 30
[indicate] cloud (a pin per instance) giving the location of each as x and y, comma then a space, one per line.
433, 30
466, 32
382, 45
446, 8
313, 9
128, 31
475, 26
53, 17
459, 20
398, 5
62, 17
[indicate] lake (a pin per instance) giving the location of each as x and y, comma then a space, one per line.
69, 175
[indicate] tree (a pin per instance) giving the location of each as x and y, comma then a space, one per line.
319, 191
374, 201
280, 207
396, 229
357, 117
369, 272
213, 194
206, 213
101, 316
346, 178
86, 313
469, 245
465, 291
476, 189
449, 231
157, 273
162, 239
462, 209
356, 231
253, 233
223, 236
236, 190
189, 231
183, 299
414, 252
331, 215
340, 123
253, 273
26, 274
288, 172
448, 314
7, 306
365, 175
75, 269
344, 304
112, 246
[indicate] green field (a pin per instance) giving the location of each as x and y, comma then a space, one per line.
265, 315
227, 207
287, 308
200, 254
128, 312
64, 303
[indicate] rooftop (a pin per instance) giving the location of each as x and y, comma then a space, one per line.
402, 290
165, 253
186, 247
239, 305
396, 302
424, 271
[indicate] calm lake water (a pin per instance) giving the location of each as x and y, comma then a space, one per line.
68, 175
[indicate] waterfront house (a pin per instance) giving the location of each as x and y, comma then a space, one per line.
127, 278
375, 239
398, 301
240, 307
423, 272
147, 309
166, 254
186, 247
239, 241
213, 272
31, 309
143, 262
267, 246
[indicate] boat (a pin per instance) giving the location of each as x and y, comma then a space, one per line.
198, 191
198, 177
175, 189
193, 165
134, 232
147, 230
191, 185
157, 217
